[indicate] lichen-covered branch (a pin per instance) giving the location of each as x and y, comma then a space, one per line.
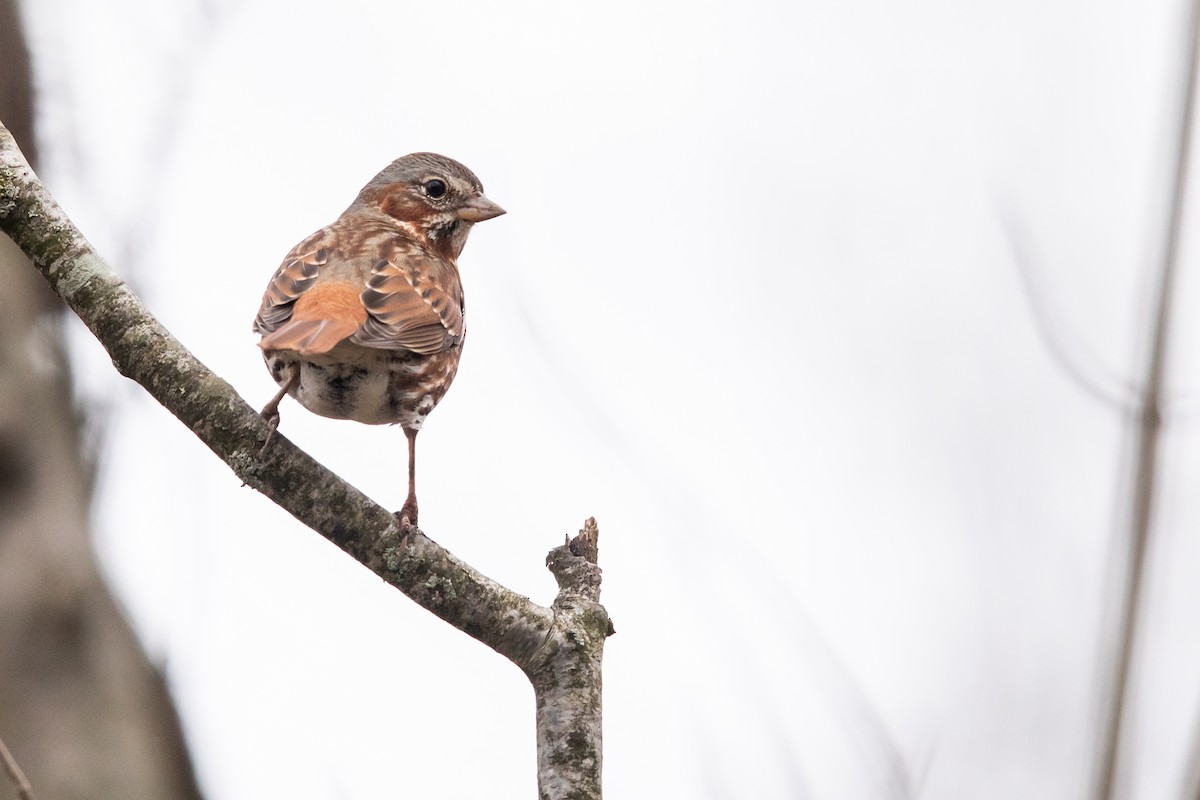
566, 684
143, 350
559, 648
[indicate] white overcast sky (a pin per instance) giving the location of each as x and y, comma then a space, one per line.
754, 306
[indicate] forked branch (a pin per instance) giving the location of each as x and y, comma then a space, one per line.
545, 642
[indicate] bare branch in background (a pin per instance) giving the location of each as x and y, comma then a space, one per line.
1191, 775
558, 647
1077, 363
1117, 687
81, 702
13, 770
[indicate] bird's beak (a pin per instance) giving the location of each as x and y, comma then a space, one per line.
477, 209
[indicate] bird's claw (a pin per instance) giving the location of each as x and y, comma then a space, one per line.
407, 526
272, 418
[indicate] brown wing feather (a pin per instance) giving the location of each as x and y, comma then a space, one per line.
295, 275
414, 302
322, 316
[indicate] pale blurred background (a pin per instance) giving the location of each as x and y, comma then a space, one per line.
786, 298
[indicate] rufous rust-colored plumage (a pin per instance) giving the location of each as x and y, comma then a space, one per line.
363, 320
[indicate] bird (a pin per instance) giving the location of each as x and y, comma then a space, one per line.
365, 319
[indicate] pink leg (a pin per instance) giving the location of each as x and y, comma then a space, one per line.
270, 411
408, 514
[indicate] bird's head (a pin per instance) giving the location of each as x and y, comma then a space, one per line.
433, 198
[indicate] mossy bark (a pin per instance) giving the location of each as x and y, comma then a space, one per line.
559, 648
566, 680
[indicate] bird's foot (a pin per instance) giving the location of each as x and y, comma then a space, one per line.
271, 415
270, 411
406, 527
407, 517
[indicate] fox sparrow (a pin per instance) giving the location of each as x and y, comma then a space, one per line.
364, 319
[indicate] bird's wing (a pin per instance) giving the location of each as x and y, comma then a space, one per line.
301, 314
414, 301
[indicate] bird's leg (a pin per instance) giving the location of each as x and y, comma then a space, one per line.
408, 514
270, 411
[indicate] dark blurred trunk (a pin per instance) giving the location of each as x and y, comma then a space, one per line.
82, 709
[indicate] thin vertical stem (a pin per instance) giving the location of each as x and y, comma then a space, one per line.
24, 789
1147, 439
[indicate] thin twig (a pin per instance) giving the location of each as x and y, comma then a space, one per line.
1147, 435
1077, 363
24, 789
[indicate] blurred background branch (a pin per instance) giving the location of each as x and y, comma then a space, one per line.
15, 774
83, 708
1132, 569
1069, 352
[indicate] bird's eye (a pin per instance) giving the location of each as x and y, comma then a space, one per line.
435, 188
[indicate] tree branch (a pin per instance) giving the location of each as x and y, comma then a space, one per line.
556, 647
13, 770
1147, 438
567, 689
